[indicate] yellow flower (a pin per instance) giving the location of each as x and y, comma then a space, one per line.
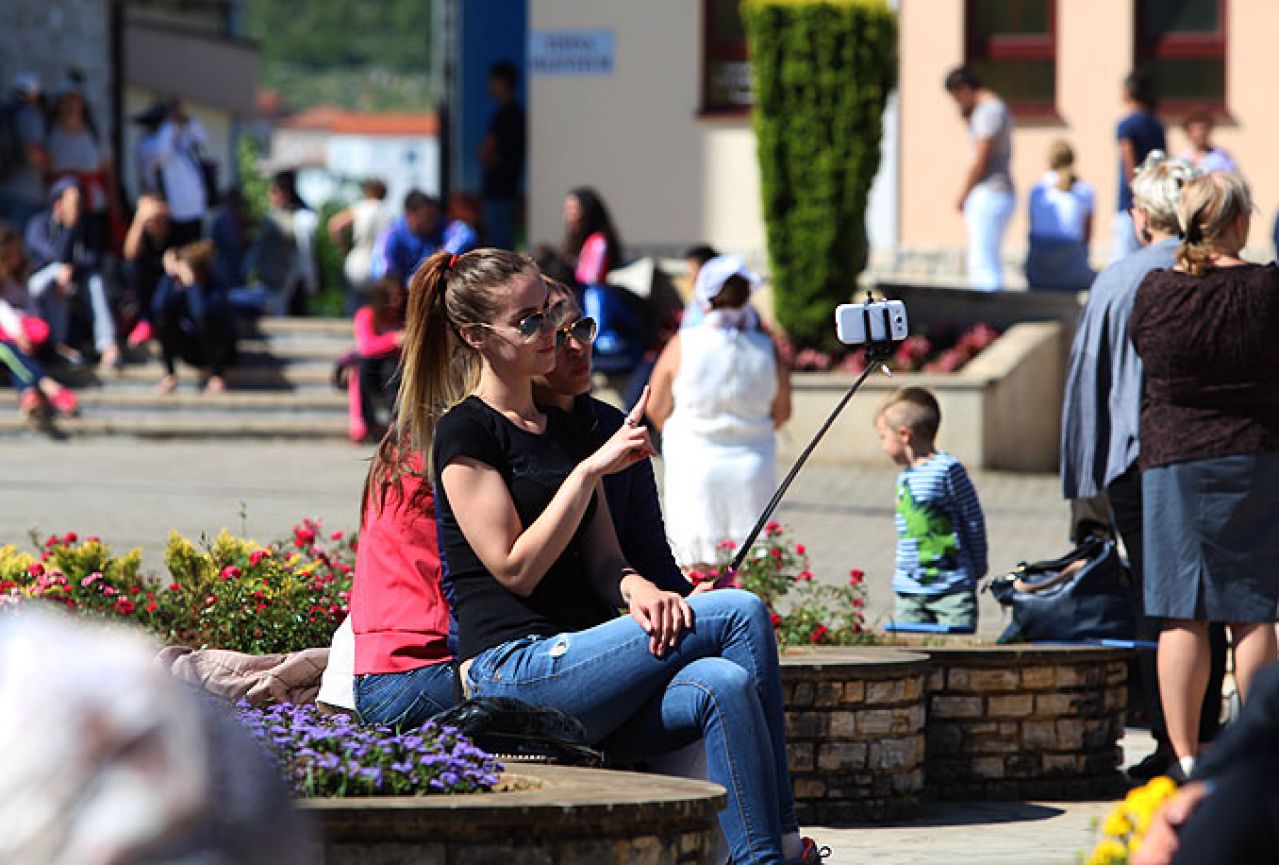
1108, 852
1117, 824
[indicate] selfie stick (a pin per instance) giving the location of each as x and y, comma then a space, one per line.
877, 351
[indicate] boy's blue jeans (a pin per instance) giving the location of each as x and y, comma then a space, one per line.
720, 683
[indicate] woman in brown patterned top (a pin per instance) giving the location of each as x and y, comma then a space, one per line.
1208, 334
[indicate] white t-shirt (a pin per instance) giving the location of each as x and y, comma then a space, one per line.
173, 155
990, 119
1057, 214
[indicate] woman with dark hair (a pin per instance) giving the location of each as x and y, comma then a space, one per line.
192, 317
535, 565
283, 255
1138, 133
379, 332
592, 248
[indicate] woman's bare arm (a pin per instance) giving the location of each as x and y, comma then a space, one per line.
662, 402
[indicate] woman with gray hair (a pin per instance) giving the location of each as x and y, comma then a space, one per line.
1102, 408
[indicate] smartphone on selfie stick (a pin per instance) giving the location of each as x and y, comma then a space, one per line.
880, 325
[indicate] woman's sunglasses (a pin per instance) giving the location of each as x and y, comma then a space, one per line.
534, 323
583, 330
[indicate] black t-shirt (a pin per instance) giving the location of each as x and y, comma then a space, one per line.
502, 178
533, 467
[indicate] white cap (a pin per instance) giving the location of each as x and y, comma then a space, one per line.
719, 270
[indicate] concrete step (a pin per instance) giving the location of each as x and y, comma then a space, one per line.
332, 328
187, 399
252, 372
164, 425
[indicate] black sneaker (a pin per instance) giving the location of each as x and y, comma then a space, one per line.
1156, 764
811, 853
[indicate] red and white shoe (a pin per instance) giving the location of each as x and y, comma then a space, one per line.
32, 404
811, 853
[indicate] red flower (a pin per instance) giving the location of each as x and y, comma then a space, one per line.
231, 572
151, 607
304, 535
70, 538
818, 633
775, 619
51, 541
336, 536
727, 544
125, 607
804, 576
858, 602
93, 539
775, 552
773, 527
354, 544
256, 557
855, 577
35, 569
210, 600
800, 550
174, 587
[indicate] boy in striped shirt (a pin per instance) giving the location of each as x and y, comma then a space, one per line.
941, 533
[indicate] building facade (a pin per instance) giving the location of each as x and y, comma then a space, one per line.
663, 129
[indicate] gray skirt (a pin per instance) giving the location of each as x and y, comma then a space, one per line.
1212, 539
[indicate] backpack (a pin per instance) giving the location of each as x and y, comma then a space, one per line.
13, 149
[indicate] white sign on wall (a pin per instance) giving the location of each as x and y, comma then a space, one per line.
571, 52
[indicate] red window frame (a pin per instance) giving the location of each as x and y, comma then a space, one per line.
1186, 46
716, 50
1015, 46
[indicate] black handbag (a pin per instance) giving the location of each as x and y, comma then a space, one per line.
516, 731
1086, 595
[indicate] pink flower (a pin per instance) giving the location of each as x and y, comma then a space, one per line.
51, 541
231, 572
91, 579
336, 536
773, 527
256, 557
804, 576
110, 591
727, 544
210, 600
93, 539
800, 550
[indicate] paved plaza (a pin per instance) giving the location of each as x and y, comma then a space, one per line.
132, 493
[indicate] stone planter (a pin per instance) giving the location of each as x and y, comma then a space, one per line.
1025, 722
1002, 410
569, 816
855, 732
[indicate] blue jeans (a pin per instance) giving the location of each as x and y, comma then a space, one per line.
987, 213
407, 699
720, 683
55, 307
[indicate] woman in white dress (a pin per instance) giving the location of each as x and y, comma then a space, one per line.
719, 391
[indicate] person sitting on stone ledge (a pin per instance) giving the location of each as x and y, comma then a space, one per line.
535, 565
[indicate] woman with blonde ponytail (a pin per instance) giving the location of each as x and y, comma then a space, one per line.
1061, 207
534, 564
1205, 331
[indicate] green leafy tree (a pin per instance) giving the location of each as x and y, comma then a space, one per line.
822, 70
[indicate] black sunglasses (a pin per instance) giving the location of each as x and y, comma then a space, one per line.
583, 330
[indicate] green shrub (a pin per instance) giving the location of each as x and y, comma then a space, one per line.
823, 70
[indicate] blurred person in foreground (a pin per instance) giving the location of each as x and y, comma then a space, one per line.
986, 199
139, 769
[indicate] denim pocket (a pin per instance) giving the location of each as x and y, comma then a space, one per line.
527, 659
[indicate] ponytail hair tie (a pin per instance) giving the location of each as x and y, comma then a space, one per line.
452, 261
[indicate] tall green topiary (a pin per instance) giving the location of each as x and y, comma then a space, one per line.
823, 70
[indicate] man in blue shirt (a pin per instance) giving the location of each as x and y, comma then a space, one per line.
419, 233
1139, 132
